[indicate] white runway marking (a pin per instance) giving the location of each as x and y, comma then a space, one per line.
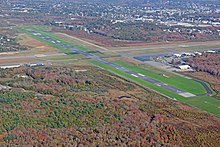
134, 75
141, 74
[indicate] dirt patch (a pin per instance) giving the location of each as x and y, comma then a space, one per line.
36, 47
17, 61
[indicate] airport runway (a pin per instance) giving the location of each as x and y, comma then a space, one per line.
169, 47
134, 74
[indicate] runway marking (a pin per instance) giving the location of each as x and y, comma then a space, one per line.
141, 75
186, 94
134, 75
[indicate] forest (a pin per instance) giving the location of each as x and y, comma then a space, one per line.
84, 105
208, 62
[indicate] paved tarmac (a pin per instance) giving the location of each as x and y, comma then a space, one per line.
134, 74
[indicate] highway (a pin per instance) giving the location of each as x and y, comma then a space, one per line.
132, 73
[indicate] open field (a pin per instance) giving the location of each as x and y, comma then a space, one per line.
17, 61
35, 46
206, 103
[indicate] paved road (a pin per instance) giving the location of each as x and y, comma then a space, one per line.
132, 73
207, 88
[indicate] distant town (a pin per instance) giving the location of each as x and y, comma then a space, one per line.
165, 21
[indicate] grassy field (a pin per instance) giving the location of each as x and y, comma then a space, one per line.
175, 81
206, 103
